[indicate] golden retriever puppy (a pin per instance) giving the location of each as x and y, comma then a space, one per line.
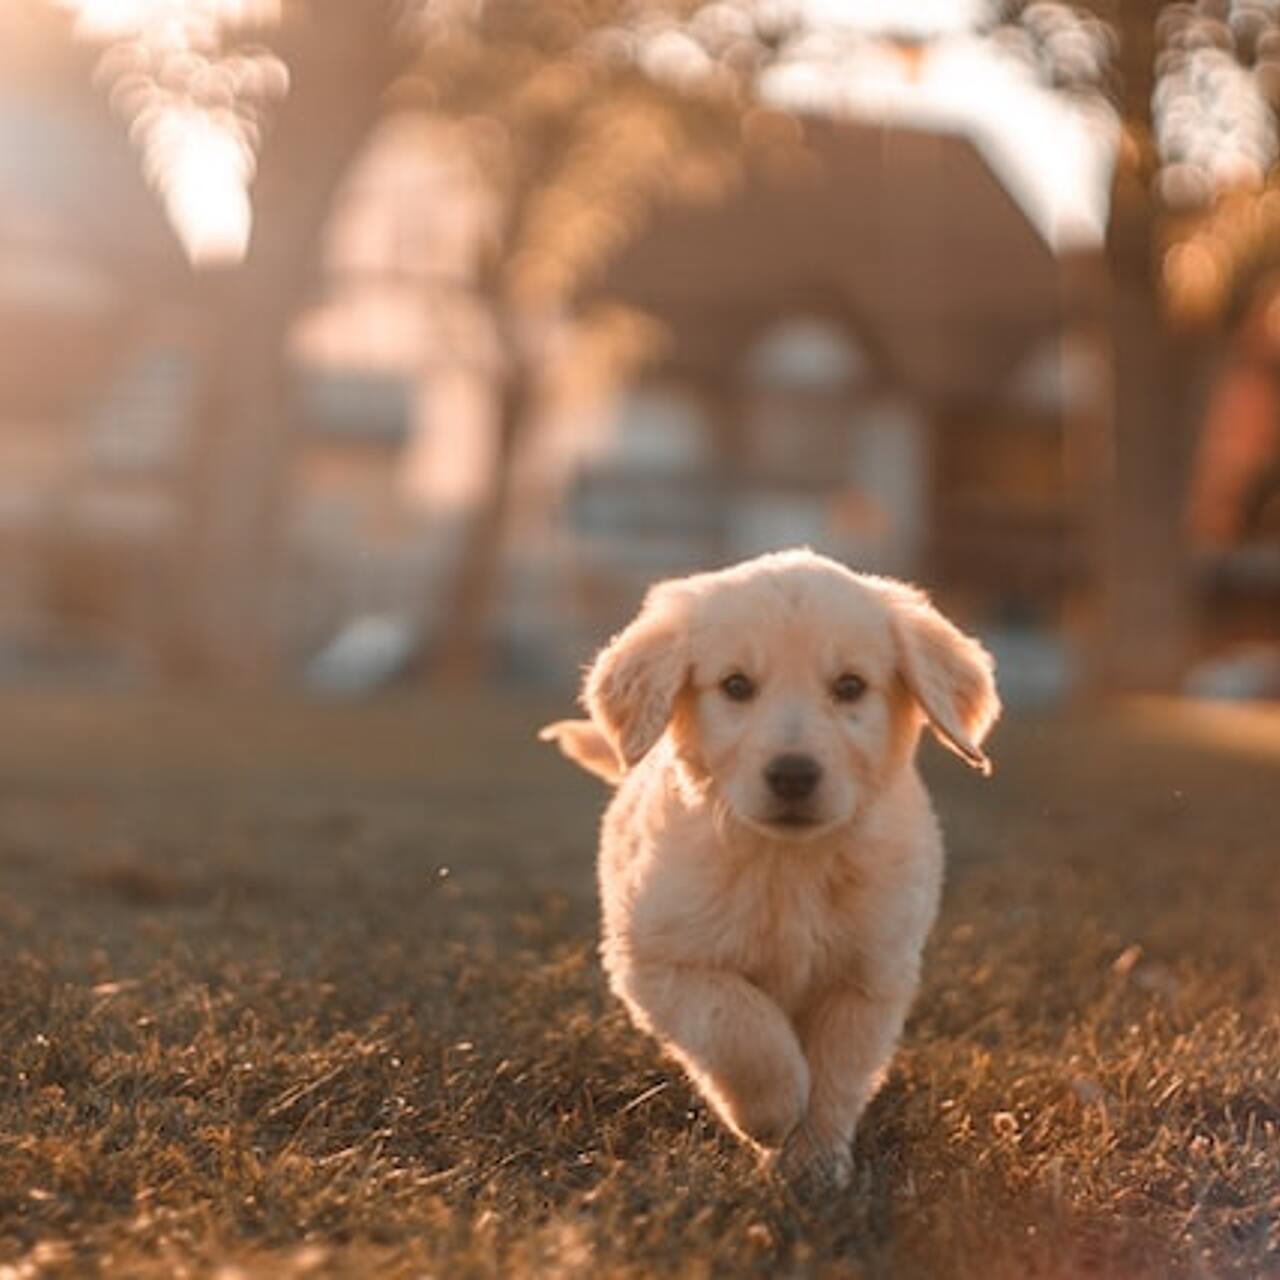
770, 865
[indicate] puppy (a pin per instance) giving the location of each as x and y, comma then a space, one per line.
770, 865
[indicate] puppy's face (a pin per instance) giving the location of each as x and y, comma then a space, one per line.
792, 709
792, 688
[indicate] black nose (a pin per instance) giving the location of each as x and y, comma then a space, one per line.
792, 777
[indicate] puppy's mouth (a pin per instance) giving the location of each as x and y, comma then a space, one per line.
793, 820
791, 824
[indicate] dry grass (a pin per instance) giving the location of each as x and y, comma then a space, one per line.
251, 1027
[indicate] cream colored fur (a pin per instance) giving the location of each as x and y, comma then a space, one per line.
776, 962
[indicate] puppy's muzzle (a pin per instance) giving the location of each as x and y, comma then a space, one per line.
793, 778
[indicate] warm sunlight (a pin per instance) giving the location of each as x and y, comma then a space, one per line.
922, 18
1053, 156
640, 638
203, 171
168, 21
1052, 153
936, 66
192, 111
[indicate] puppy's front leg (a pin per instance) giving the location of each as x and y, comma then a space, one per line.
735, 1043
849, 1038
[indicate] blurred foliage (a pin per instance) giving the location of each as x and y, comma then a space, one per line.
1195, 83
574, 119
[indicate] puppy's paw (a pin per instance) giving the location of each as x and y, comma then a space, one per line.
811, 1166
764, 1106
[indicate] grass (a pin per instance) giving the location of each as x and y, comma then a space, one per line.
296, 992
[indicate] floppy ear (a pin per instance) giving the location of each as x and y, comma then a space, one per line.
631, 688
949, 674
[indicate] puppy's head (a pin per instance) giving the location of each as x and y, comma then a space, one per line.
792, 688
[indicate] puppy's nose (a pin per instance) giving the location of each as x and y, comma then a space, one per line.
792, 777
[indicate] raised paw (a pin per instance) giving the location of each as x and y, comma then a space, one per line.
811, 1166
766, 1117
764, 1099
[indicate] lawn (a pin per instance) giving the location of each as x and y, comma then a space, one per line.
311, 991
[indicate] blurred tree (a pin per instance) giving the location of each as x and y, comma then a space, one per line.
566, 136
341, 58
1142, 632
576, 113
1192, 86
1192, 211
569, 139
1134, 460
201, 88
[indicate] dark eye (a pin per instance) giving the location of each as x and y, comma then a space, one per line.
848, 687
738, 688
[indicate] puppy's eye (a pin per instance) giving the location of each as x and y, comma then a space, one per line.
848, 687
738, 688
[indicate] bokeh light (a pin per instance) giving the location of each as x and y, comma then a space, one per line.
194, 107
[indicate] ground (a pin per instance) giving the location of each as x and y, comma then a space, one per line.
312, 991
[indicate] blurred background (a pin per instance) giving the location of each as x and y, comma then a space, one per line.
354, 344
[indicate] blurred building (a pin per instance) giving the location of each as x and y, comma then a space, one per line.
879, 342
847, 370
90, 275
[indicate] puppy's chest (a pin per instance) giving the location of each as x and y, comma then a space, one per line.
789, 933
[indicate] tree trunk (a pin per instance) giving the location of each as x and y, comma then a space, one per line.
1146, 608
1143, 630
226, 616
231, 553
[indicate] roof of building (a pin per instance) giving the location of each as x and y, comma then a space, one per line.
903, 235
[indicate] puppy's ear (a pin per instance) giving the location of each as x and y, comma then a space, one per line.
948, 673
631, 688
